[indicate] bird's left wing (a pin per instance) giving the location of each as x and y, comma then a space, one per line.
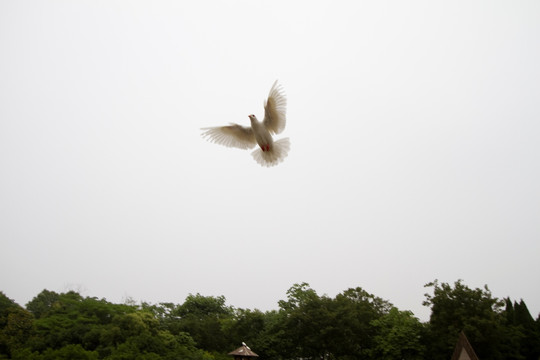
233, 135
275, 109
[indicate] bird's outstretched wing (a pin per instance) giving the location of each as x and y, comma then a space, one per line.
233, 135
275, 110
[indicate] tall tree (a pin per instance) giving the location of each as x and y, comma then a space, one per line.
475, 311
519, 317
305, 323
42, 303
399, 336
16, 326
325, 328
356, 309
246, 325
203, 317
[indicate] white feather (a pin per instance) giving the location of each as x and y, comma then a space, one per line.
277, 154
275, 110
231, 136
270, 153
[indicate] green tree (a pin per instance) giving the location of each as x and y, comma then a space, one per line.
204, 317
325, 328
399, 336
355, 311
16, 325
519, 320
18, 328
272, 341
306, 323
298, 295
6, 307
70, 352
42, 303
476, 312
246, 325
354, 325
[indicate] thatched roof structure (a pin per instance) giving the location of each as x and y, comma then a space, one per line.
243, 352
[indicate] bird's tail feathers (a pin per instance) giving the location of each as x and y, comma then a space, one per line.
280, 150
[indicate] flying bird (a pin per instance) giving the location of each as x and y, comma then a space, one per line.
270, 152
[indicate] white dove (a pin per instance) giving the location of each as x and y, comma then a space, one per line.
271, 152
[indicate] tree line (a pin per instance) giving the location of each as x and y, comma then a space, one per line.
352, 325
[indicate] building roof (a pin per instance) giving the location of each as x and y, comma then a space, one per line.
243, 351
464, 350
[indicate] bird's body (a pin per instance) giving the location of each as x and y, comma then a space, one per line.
259, 133
262, 135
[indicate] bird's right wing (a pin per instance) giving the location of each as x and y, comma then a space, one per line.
275, 109
233, 135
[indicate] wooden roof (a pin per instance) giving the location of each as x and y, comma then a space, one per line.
464, 350
243, 351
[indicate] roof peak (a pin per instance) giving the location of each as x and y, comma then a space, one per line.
243, 351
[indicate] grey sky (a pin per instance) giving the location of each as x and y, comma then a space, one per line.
415, 132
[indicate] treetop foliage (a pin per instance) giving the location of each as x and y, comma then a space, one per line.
352, 325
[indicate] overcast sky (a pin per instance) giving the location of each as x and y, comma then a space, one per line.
415, 149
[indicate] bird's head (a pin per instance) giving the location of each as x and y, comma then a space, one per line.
252, 117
